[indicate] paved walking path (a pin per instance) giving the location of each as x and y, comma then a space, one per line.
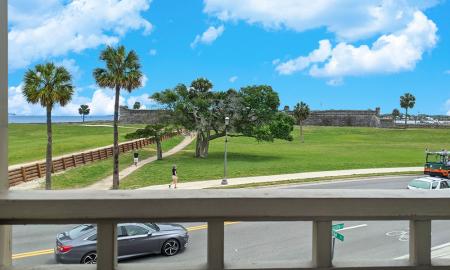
282, 177
107, 182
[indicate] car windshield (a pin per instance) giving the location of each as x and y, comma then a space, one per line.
420, 184
80, 230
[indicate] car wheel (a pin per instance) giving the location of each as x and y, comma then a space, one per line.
170, 247
90, 258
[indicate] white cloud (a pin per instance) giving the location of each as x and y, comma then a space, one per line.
319, 55
71, 66
153, 52
399, 51
144, 80
144, 99
401, 31
233, 79
209, 36
101, 103
349, 20
43, 29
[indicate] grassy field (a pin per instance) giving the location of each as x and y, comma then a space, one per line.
325, 148
89, 174
28, 142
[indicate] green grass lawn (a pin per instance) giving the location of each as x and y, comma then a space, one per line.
91, 173
325, 148
28, 142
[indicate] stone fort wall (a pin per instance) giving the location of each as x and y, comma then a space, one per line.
356, 118
129, 116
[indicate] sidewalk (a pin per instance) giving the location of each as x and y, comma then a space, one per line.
282, 177
106, 183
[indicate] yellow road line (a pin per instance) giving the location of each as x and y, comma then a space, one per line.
50, 251
32, 253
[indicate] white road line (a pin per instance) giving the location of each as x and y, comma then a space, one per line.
352, 227
432, 249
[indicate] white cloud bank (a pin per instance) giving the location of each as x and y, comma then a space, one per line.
392, 53
209, 36
401, 31
49, 28
101, 103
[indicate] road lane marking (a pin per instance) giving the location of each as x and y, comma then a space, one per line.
32, 254
432, 249
352, 227
51, 251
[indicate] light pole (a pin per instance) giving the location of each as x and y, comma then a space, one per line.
224, 180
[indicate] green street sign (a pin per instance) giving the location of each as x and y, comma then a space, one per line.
338, 236
336, 227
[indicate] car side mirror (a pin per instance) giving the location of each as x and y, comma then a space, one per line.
149, 234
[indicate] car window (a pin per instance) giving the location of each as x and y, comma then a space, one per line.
434, 185
121, 231
444, 184
133, 230
80, 230
420, 184
152, 226
92, 238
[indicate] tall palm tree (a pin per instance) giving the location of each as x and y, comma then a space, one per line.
407, 101
123, 71
301, 112
84, 110
48, 85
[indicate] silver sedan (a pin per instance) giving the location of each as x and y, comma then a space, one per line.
134, 239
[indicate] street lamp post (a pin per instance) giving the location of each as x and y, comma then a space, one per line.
224, 180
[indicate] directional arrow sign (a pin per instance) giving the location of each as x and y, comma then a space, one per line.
336, 227
338, 236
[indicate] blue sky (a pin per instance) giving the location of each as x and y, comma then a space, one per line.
351, 55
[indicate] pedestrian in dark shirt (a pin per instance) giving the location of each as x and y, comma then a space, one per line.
135, 158
174, 177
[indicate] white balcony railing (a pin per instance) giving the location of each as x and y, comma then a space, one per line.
107, 208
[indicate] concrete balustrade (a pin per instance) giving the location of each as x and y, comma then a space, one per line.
107, 208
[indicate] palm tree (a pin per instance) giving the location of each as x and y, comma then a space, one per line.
301, 112
407, 101
48, 85
123, 71
84, 110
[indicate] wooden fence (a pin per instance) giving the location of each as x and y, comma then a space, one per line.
35, 171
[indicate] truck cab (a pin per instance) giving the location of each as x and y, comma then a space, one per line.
437, 163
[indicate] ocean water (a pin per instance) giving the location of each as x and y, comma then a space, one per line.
24, 119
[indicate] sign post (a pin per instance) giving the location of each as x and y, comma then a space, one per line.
336, 235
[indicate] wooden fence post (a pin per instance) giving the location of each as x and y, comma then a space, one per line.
74, 161
24, 174
39, 170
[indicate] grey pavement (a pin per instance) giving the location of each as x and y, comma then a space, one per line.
247, 242
283, 177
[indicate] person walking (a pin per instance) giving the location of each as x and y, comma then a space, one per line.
174, 177
136, 158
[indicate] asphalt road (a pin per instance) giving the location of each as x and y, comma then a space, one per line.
263, 241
